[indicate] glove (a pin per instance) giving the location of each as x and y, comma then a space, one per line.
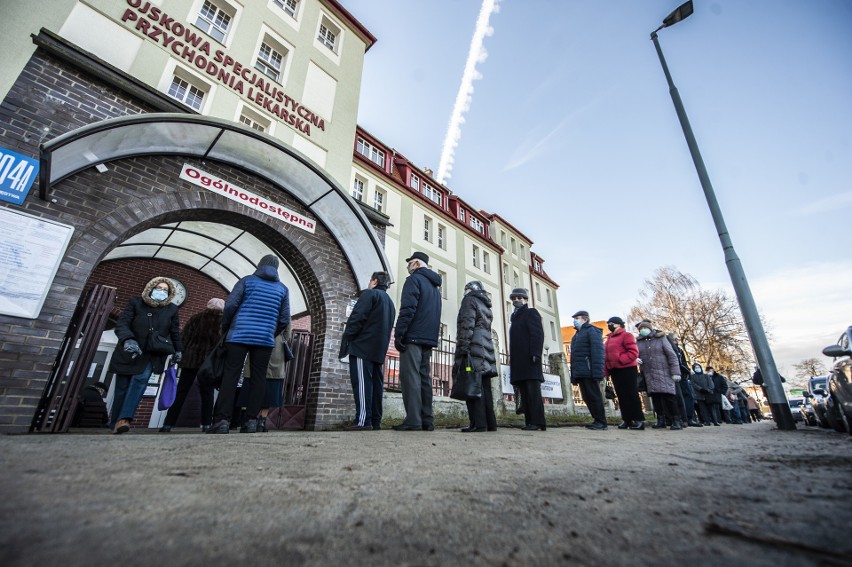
131, 346
676, 377
177, 357
398, 345
638, 361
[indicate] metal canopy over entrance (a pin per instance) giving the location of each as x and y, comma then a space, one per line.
227, 142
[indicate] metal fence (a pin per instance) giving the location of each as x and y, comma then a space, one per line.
442, 370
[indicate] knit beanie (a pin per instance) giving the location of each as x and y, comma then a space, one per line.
217, 304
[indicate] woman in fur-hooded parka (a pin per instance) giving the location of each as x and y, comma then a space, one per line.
132, 362
473, 337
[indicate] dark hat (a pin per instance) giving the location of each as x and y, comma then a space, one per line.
581, 314
268, 260
474, 285
616, 320
519, 292
645, 323
419, 256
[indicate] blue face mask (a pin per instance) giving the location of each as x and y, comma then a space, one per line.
159, 294
645, 332
577, 323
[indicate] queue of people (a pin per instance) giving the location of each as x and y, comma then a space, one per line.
253, 321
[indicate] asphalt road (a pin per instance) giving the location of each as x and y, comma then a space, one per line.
730, 495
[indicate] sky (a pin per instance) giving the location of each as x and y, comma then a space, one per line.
572, 136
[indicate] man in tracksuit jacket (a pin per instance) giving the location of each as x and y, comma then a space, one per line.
366, 338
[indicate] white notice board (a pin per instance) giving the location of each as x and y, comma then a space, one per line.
31, 249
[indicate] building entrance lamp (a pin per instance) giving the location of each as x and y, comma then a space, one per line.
775, 392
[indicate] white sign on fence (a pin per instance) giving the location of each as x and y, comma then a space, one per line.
550, 388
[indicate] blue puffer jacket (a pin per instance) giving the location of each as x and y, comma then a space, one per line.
587, 353
419, 320
257, 309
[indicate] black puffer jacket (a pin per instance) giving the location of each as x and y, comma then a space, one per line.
419, 320
473, 335
587, 353
134, 323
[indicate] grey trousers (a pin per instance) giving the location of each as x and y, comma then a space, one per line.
415, 379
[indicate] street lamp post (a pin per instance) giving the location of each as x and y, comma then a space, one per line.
777, 400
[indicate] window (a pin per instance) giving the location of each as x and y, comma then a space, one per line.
269, 62
505, 271
371, 152
432, 194
549, 297
188, 94
523, 252
358, 189
213, 21
414, 182
515, 279
537, 292
379, 201
328, 34
503, 238
427, 229
552, 331
486, 262
290, 7
537, 265
444, 285
475, 256
477, 224
253, 121
461, 214
514, 246
442, 237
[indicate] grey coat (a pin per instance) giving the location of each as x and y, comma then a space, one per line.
702, 385
659, 363
473, 335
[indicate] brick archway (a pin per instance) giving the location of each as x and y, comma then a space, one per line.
145, 192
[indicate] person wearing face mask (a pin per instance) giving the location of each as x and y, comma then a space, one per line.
415, 335
621, 355
475, 344
702, 386
134, 361
526, 343
661, 369
587, 367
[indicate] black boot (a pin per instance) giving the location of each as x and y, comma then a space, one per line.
661, 423
638, 426
625, 424
261, 425
677, 424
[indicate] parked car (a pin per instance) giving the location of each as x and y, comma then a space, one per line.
796, 407
818, 389
807, 411
839, 405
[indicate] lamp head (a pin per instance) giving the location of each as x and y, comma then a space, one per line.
681, 13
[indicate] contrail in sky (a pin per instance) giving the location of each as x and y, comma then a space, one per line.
475, 55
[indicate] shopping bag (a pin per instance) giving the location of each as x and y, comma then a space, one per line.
468, 384
168, 390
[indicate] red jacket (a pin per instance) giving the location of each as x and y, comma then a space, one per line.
621, 350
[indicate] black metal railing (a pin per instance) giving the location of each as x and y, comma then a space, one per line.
442, 369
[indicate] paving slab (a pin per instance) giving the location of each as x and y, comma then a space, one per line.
730, 495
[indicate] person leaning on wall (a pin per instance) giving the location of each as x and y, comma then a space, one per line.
150, 314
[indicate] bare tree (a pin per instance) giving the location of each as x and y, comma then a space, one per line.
707, 322
807, 368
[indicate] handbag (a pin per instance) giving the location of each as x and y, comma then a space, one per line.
641, 385
609, 393
157, 343
168, 391
467, 385
212, 370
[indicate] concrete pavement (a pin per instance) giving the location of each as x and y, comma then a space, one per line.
730, 495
